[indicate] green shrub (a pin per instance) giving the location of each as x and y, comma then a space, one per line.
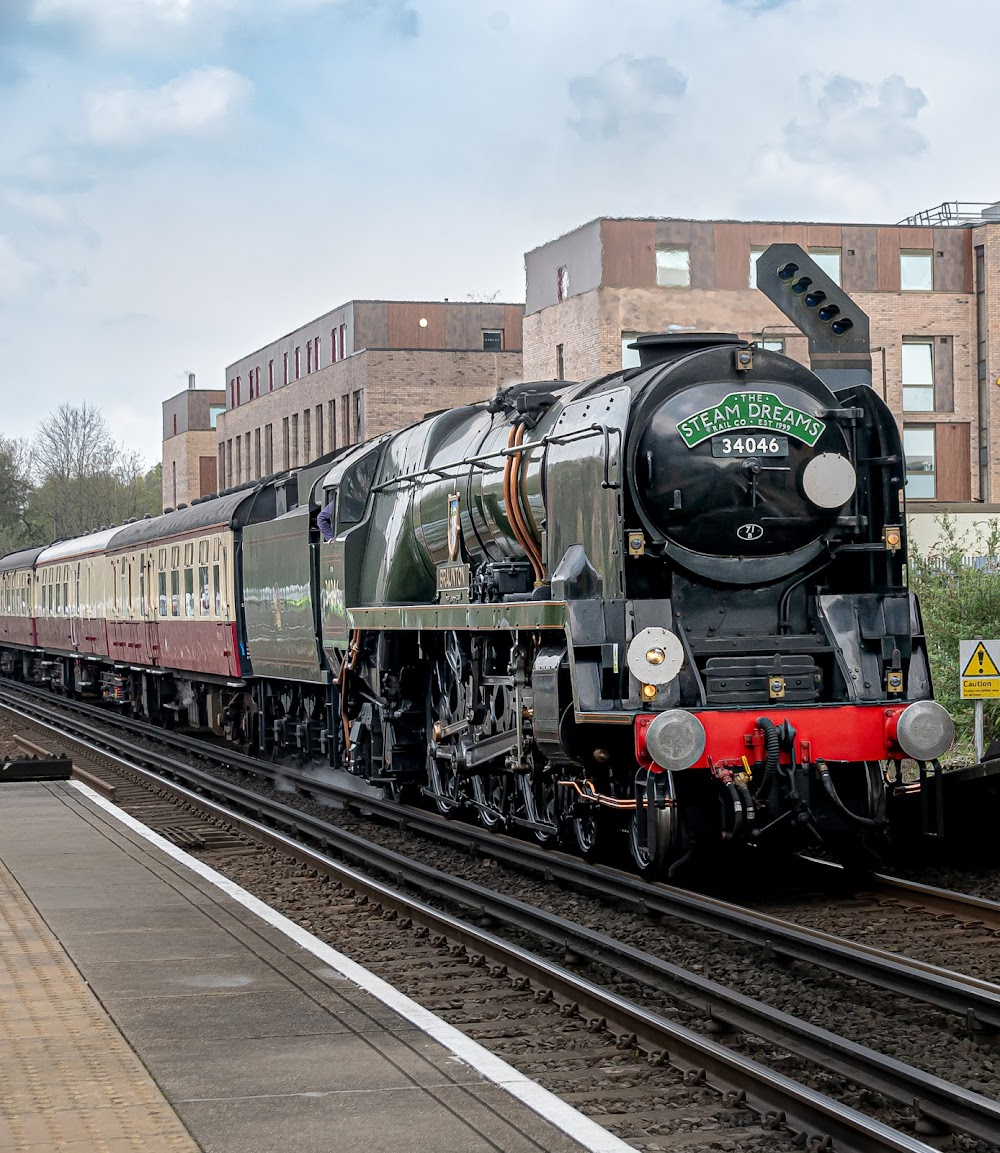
958, 601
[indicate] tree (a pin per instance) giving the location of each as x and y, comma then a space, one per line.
85, 479
957, 584
15, 489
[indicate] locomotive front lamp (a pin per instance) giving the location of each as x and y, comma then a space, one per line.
654, 658
649, 692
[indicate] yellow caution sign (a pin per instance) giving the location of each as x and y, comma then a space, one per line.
979, 661
980, 664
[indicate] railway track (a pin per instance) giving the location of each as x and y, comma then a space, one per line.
939, 1103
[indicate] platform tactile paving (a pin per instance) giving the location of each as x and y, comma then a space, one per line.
68, 1079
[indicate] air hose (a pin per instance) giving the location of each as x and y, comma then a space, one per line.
830, 789
771, 754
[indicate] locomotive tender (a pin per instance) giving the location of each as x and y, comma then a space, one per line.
667, 606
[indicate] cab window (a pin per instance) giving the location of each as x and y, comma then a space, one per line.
355, 485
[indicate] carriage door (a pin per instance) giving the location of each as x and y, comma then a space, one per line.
74, 611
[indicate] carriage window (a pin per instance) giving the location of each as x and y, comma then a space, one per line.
162, 590
215, 548
123, 595
204, 599
162, 554
203, 552
58, 603
355, 485
142, 588
189, 554
175, 593
217, 590
189, 592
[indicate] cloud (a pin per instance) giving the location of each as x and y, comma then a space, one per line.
188, 105
854, 122
628, 93
758, 5
18, 276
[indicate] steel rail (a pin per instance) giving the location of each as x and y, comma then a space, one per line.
933, 1097
975, 1000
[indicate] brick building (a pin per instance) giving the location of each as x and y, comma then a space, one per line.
931, 287
189, 443
362, 369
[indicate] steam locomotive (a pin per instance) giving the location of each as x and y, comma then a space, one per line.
665, 608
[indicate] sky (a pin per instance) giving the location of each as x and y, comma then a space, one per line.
183, 181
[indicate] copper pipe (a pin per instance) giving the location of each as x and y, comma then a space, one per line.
534, 552
510, 502
591, 794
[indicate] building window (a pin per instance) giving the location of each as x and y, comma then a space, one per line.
316, 344
918, 376
345, 418
239, 390
232, 393
562, 282
294, 458
921, 470
916, 270
174, 433
333, 345
359, 415
306, 438
256, 453
246, 454
270, 376
343, 341
256, 374
222, 466
492, 339
173, 466
269, 448
333, 424
755, 254
309, 356
284, 443
630, 356
286, 367
673, 266
213, 414
560, 363
239, 459
298, 362
319, 430
829, 261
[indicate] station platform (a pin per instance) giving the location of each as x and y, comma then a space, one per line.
148, 1004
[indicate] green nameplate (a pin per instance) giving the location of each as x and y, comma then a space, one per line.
742, 410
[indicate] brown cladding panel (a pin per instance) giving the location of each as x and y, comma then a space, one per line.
702, 247
968, 261
915, 238
207, 475
629, 259
672, 231
732, 255
859, 259
951, 260
954, 476
944, 374
404, 325
887, 247
513, 327
824, 236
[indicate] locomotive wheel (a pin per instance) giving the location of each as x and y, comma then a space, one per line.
447, 704
492, 789
654, 860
